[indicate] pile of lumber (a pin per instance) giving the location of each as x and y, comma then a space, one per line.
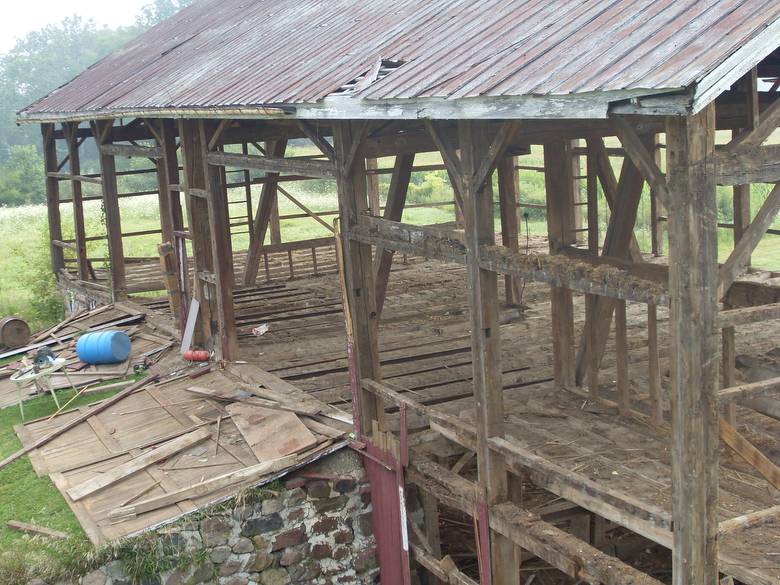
148, 347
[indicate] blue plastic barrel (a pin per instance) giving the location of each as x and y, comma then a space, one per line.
103, 347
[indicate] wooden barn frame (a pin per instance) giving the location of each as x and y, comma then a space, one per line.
668, 142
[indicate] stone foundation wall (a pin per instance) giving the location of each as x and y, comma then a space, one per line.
316, 530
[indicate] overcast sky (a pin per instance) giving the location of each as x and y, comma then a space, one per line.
24, 16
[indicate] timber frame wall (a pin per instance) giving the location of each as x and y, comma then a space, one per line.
693, 286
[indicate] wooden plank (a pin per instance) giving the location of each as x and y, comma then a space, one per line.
270, 433
752, 236
37, 444
396, 200
37, 530
654, 367
621, 359
745, 449
74, 178
203, 488
137, 464
746, 315
693, 271
315, 169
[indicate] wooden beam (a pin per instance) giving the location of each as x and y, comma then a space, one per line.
560, 230
642, 157
752, 236
746, 315
74, 178
617, 244
477, 159
759, 165
198, 222
79, 229
132, 150
693, 275
396, 200
221, 253
360, 290
768, 122
52, 198
510, 229
748, 391
262, 220
112, 214
755, 458
313, 134
315, 169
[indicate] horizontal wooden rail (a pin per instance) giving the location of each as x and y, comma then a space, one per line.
748, 391
78, 178
308, 168
131, 150
746, 315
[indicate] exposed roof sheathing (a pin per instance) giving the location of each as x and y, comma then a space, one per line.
243, 55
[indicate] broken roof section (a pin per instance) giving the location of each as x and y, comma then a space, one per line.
407, 59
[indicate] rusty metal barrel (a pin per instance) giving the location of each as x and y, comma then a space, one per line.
14, 332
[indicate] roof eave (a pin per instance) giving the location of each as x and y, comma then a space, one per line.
593, 105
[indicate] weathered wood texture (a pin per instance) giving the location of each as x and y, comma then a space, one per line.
693, 277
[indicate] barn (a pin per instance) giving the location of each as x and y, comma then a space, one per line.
554, 391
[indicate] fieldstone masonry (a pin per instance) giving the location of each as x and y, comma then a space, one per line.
316, 530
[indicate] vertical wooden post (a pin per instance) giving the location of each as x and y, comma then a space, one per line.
275, 226
53, 197
221, 250
70, 131
263, 218
593, 199
741, 195
510, 228
560, 230
693, 284
475, 141
621, 358
358, 273
250, 219
654, 366
656, 207
198, 220
576, 192
167, 177
396, 200
374, 204
116, 252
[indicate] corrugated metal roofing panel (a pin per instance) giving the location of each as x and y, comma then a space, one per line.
245, 53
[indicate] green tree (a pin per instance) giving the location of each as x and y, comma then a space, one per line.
159, 10
21, 176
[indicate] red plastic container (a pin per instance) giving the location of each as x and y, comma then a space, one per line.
194, 355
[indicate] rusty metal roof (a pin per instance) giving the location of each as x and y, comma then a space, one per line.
241, 56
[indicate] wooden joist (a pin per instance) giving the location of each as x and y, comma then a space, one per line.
308, 168
560, 549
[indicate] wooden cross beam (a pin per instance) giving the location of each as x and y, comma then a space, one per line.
642, 158
769, 120
319, 141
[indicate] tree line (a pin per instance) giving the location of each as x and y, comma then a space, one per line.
39, 63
